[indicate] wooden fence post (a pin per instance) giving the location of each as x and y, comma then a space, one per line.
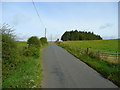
87, 51
98, 54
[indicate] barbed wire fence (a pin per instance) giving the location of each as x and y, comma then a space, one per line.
112, 56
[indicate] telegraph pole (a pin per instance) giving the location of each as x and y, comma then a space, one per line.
45, 32
51, 37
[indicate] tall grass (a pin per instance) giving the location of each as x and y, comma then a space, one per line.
26, 74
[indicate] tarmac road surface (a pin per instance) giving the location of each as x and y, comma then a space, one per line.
63, 70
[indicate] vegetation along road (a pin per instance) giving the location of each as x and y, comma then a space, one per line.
63, 70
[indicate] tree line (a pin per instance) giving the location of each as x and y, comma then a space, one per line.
79, 35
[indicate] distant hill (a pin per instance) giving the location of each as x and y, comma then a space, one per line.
79, 35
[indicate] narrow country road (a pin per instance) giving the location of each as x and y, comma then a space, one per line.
63, 70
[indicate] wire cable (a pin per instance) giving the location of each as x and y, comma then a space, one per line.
38, 15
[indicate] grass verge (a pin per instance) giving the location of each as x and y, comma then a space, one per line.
26, 74
108, 70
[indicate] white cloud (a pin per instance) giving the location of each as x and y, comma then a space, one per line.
19, 19
108, 25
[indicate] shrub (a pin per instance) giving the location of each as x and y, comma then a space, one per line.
33, 41
33, 48
9, 46
9, 50
94, 54
43, 40
31, 51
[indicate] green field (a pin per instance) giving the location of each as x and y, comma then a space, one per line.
108, 69
26, 74
102, 45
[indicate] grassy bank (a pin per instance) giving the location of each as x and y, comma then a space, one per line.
108, 69
26, 73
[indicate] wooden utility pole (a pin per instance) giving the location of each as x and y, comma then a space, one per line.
45, 32
51, 37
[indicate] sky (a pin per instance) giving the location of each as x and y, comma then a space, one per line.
58, 17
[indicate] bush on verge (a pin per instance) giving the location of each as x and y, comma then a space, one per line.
43, 40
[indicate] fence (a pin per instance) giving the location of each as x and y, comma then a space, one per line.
109, 56
99, 54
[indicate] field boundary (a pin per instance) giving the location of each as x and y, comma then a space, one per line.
99, 54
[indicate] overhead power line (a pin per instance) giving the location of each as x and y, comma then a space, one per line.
39, 17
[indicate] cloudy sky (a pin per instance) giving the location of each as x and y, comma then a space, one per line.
58, 17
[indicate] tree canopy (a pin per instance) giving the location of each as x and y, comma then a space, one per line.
33, 41
79, 35
43, 40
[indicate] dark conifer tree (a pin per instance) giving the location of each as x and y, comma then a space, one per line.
79, 35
